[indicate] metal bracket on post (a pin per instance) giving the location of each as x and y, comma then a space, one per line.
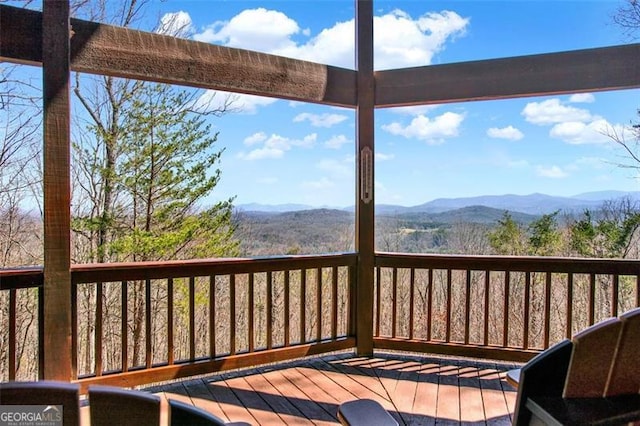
366, 175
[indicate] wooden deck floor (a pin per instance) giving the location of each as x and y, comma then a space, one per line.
417, 390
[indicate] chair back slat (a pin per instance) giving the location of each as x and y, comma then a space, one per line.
593, 352
624, 377
110, 405
44, 393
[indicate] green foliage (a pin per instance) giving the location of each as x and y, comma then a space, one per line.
508, 238
167, 157
163, 166
545, 239
604, 237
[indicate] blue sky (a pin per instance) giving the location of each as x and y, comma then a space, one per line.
278, 151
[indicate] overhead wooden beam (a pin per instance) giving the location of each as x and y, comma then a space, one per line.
120, 52
365, 212
608, 68
57, 191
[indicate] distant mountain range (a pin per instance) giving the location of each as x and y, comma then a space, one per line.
532, 204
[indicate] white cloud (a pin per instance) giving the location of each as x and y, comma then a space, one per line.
256, 29
402, 41
582, 98
255, 138
274, 146
177, 24
554, 172
431, 130
262, 154
510, 133
414, 110
320, 120
399, 39
234, 102
553, 111
577, 133
384, 157
337, 141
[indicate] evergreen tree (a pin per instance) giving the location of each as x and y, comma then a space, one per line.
508, 238
545, 239
166, 169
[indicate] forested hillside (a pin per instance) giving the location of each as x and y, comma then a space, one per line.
607, 231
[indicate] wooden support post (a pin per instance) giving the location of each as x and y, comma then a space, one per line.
57, 192
365, 241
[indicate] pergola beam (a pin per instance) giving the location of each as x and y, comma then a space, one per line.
590, 70
120, 52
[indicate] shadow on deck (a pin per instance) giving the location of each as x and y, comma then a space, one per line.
416, 390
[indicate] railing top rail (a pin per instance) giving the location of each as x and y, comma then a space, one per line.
509, 263
106, 272
23, 277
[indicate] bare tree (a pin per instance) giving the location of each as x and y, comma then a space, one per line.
628, 18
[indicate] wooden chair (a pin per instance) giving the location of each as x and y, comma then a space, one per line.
182, 414
364, 412
44, 393
110, 405
592, 379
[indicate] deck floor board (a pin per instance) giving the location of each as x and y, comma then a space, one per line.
415, 389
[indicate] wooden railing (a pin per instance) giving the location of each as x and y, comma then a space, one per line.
20, 326
495, 307
186, 318
192, 317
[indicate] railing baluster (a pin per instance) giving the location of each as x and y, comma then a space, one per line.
394, 302
192, 318
614, 295
429, 302
98, 330
569, 306
319, 304
487, 283
124, 326
12, 333
334, 302
352, 301
592, 299
170, 337
303, 305
212, 316
467, 307
41, 333
232, 314
287, 324
269, 310
412, 285
547, 309
251, 314
147, 316
74, 330
505, 311
448, 325
378, 302
527, 294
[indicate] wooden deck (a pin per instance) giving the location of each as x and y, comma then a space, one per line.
417, 390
